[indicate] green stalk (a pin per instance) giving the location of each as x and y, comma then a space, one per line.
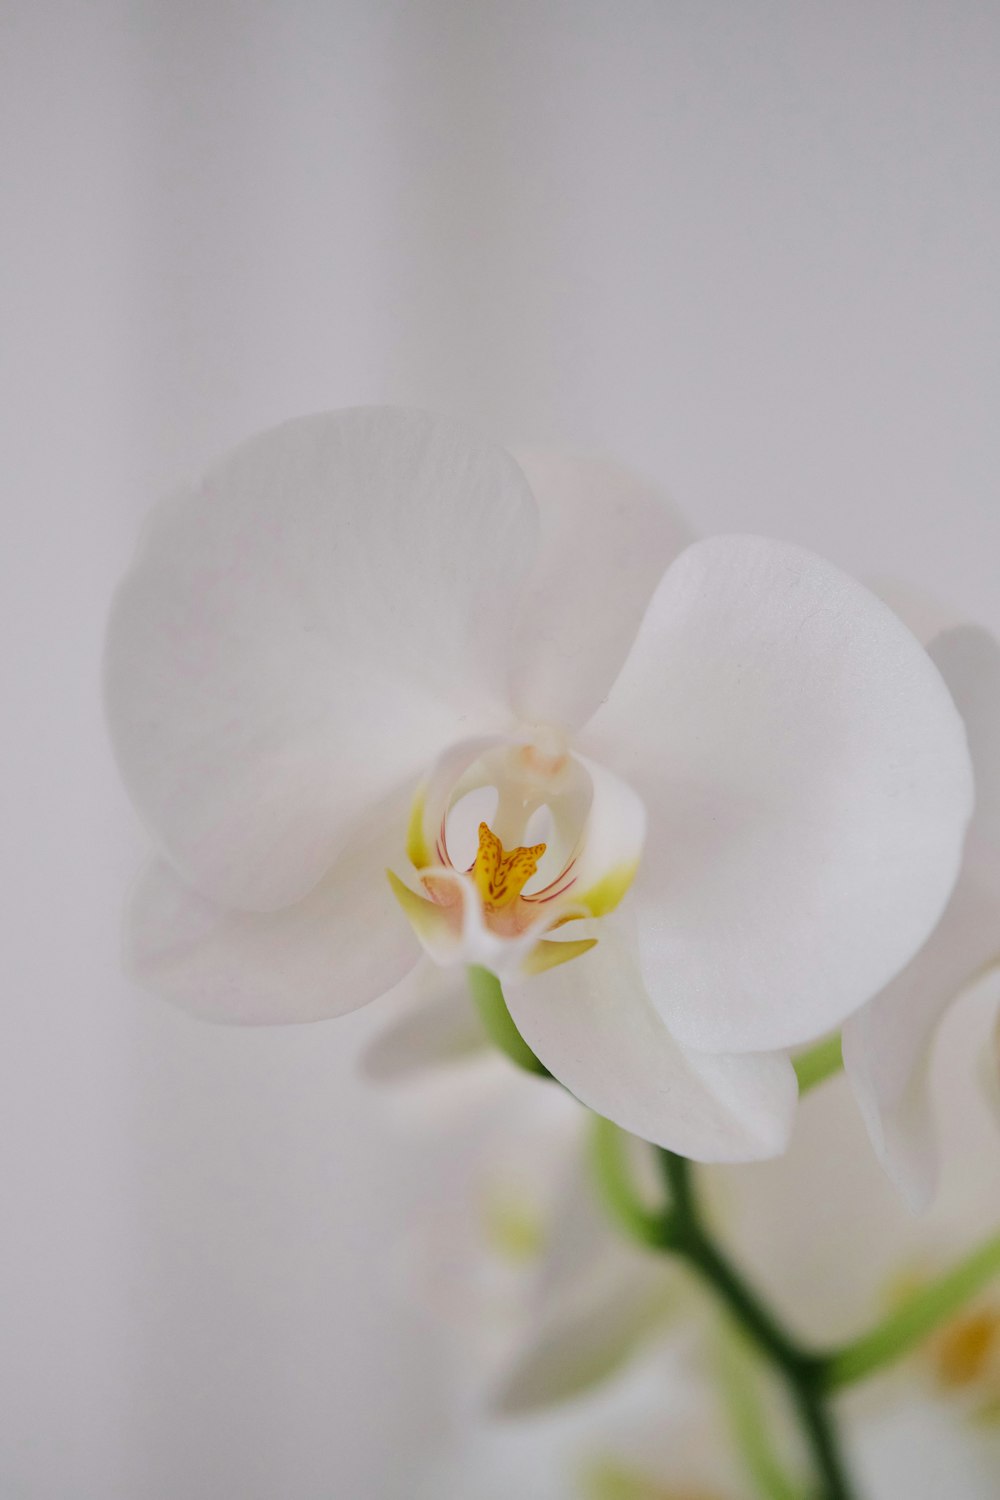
818, 1063
611, 1177
801, 1371
746, 1419
922, 1313
487, 996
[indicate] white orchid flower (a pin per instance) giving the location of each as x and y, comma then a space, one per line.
888, 1043
358, 619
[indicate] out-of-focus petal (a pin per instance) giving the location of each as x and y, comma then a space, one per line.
924, 1450
580, 1344
593, 1025
343, 944
306, 628
606, 538
807, 784
887, 1044
437, 1026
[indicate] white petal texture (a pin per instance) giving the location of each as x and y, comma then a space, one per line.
807, 784
606, 538
303, 631
339, 947
887, 1045
594, 1026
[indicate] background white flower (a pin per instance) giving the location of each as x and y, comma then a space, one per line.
888, 1043
823, 1232
516, 1256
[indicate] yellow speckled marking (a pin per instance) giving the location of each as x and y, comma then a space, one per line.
499, 877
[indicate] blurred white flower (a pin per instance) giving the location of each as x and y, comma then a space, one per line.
659, 1433
516, 1258
888, 1043
830, 1242
358, 619
655, 1433
821, 1231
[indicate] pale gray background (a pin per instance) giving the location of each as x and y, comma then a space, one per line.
750, 248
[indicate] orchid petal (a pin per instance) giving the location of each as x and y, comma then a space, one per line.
612, 842
342, 945
594, 1027
807, 784
577, 1346
436, 1028
887, 1045
606, 538
303, 631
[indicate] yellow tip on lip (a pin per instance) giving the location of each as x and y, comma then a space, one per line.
424, 915
416, 844
609, 890
548, 955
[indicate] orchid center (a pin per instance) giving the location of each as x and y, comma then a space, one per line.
500, 875
966, 1351
493, 814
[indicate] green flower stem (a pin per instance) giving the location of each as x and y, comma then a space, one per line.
802, 1372
818, 1063
918, 1316
487, 996
608, 1146
689, 1238
746, 1419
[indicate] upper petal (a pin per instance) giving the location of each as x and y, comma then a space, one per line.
593, 1025
343, 944
606, 537
304, 629
807, 783
887, 1044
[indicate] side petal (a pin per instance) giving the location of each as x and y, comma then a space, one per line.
593, 1025
808, 786
435, 1027
343, 944
606, 538
887, 1044
566, 1353
306, 628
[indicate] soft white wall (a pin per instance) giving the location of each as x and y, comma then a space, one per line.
750, 248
